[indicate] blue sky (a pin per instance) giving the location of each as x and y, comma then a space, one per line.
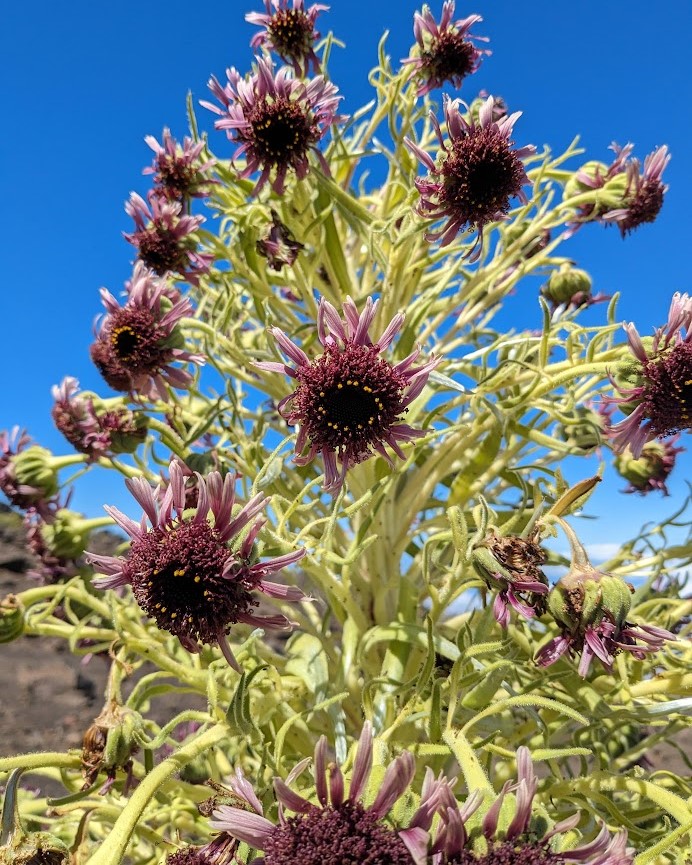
87, 81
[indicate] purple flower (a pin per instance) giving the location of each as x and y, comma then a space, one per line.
445, 51
163, 237
275, 119
349, 401
278, 246
92, 428
138, 343
178, 171
290, 32
33, 486
651, 470
195, 578
523, 841
476, 174
339, 828
656, 389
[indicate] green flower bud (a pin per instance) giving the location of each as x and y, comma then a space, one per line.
67, 536
584, 596
567, 285
585, 433
609, 196
650, 470
33, 467
11, 619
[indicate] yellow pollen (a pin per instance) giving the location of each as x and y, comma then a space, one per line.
179, 572
197, 579
321, 393
173, 615
163, 609
339, 386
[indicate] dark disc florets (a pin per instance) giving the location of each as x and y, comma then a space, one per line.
347, 835
130, 345
667, 398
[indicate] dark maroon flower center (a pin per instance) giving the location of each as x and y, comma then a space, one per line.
449, 58
281, 131
347, 835
348, 399
480, 176
162, 249
644, 206
176, 175
177, 577
520, 852
668, 390
291, 33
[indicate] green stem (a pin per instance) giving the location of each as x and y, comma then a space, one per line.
113, 850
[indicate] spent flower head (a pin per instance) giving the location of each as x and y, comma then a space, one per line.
476, 175
164, 237
338, 829
289, 30
278, 246
514, 835
178, 171
138, 343
655, 390
349, 401
276, 119
445, 52
651, 469
194, 577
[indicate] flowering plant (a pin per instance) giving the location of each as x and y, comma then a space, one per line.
350, 499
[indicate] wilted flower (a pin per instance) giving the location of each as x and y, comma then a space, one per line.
476, 175
91, 427
650, 471
163, 237
656, 389
570, 287
178, 171
445, 51
522, 840
278, 246
27, 476
349, 401
138, 343
591, 608
290, 32
338, 829
276, 120
195, 578
511, 566
644, 193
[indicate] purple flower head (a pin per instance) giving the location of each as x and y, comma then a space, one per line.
219, 851
651, 470
164, 238
511, 566
178, 171
290, 32
591, 608
138, 343
92, 428
275, 119
52, 564
28, 483
476, 174
349, 401
338, 828
519, 840
194, 577
656, 388
445, 51
279, 246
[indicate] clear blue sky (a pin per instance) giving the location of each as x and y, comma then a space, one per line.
85, 82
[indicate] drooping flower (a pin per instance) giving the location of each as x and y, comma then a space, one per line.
91, 426
591, 609
194, 577
164, 237
138, 343
651, 470
644, 193
656, 388
570, 287
511, 566
349, 401
278, 246
523, 839
276, 119
476, 175
57, 545
445, 51
178, 171
290, 32
338, 829
27, 477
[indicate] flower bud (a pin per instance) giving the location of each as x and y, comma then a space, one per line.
585, 433
568, 285
650, 471
585, 596
67, 536
11, 619
34, 468
609, 192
